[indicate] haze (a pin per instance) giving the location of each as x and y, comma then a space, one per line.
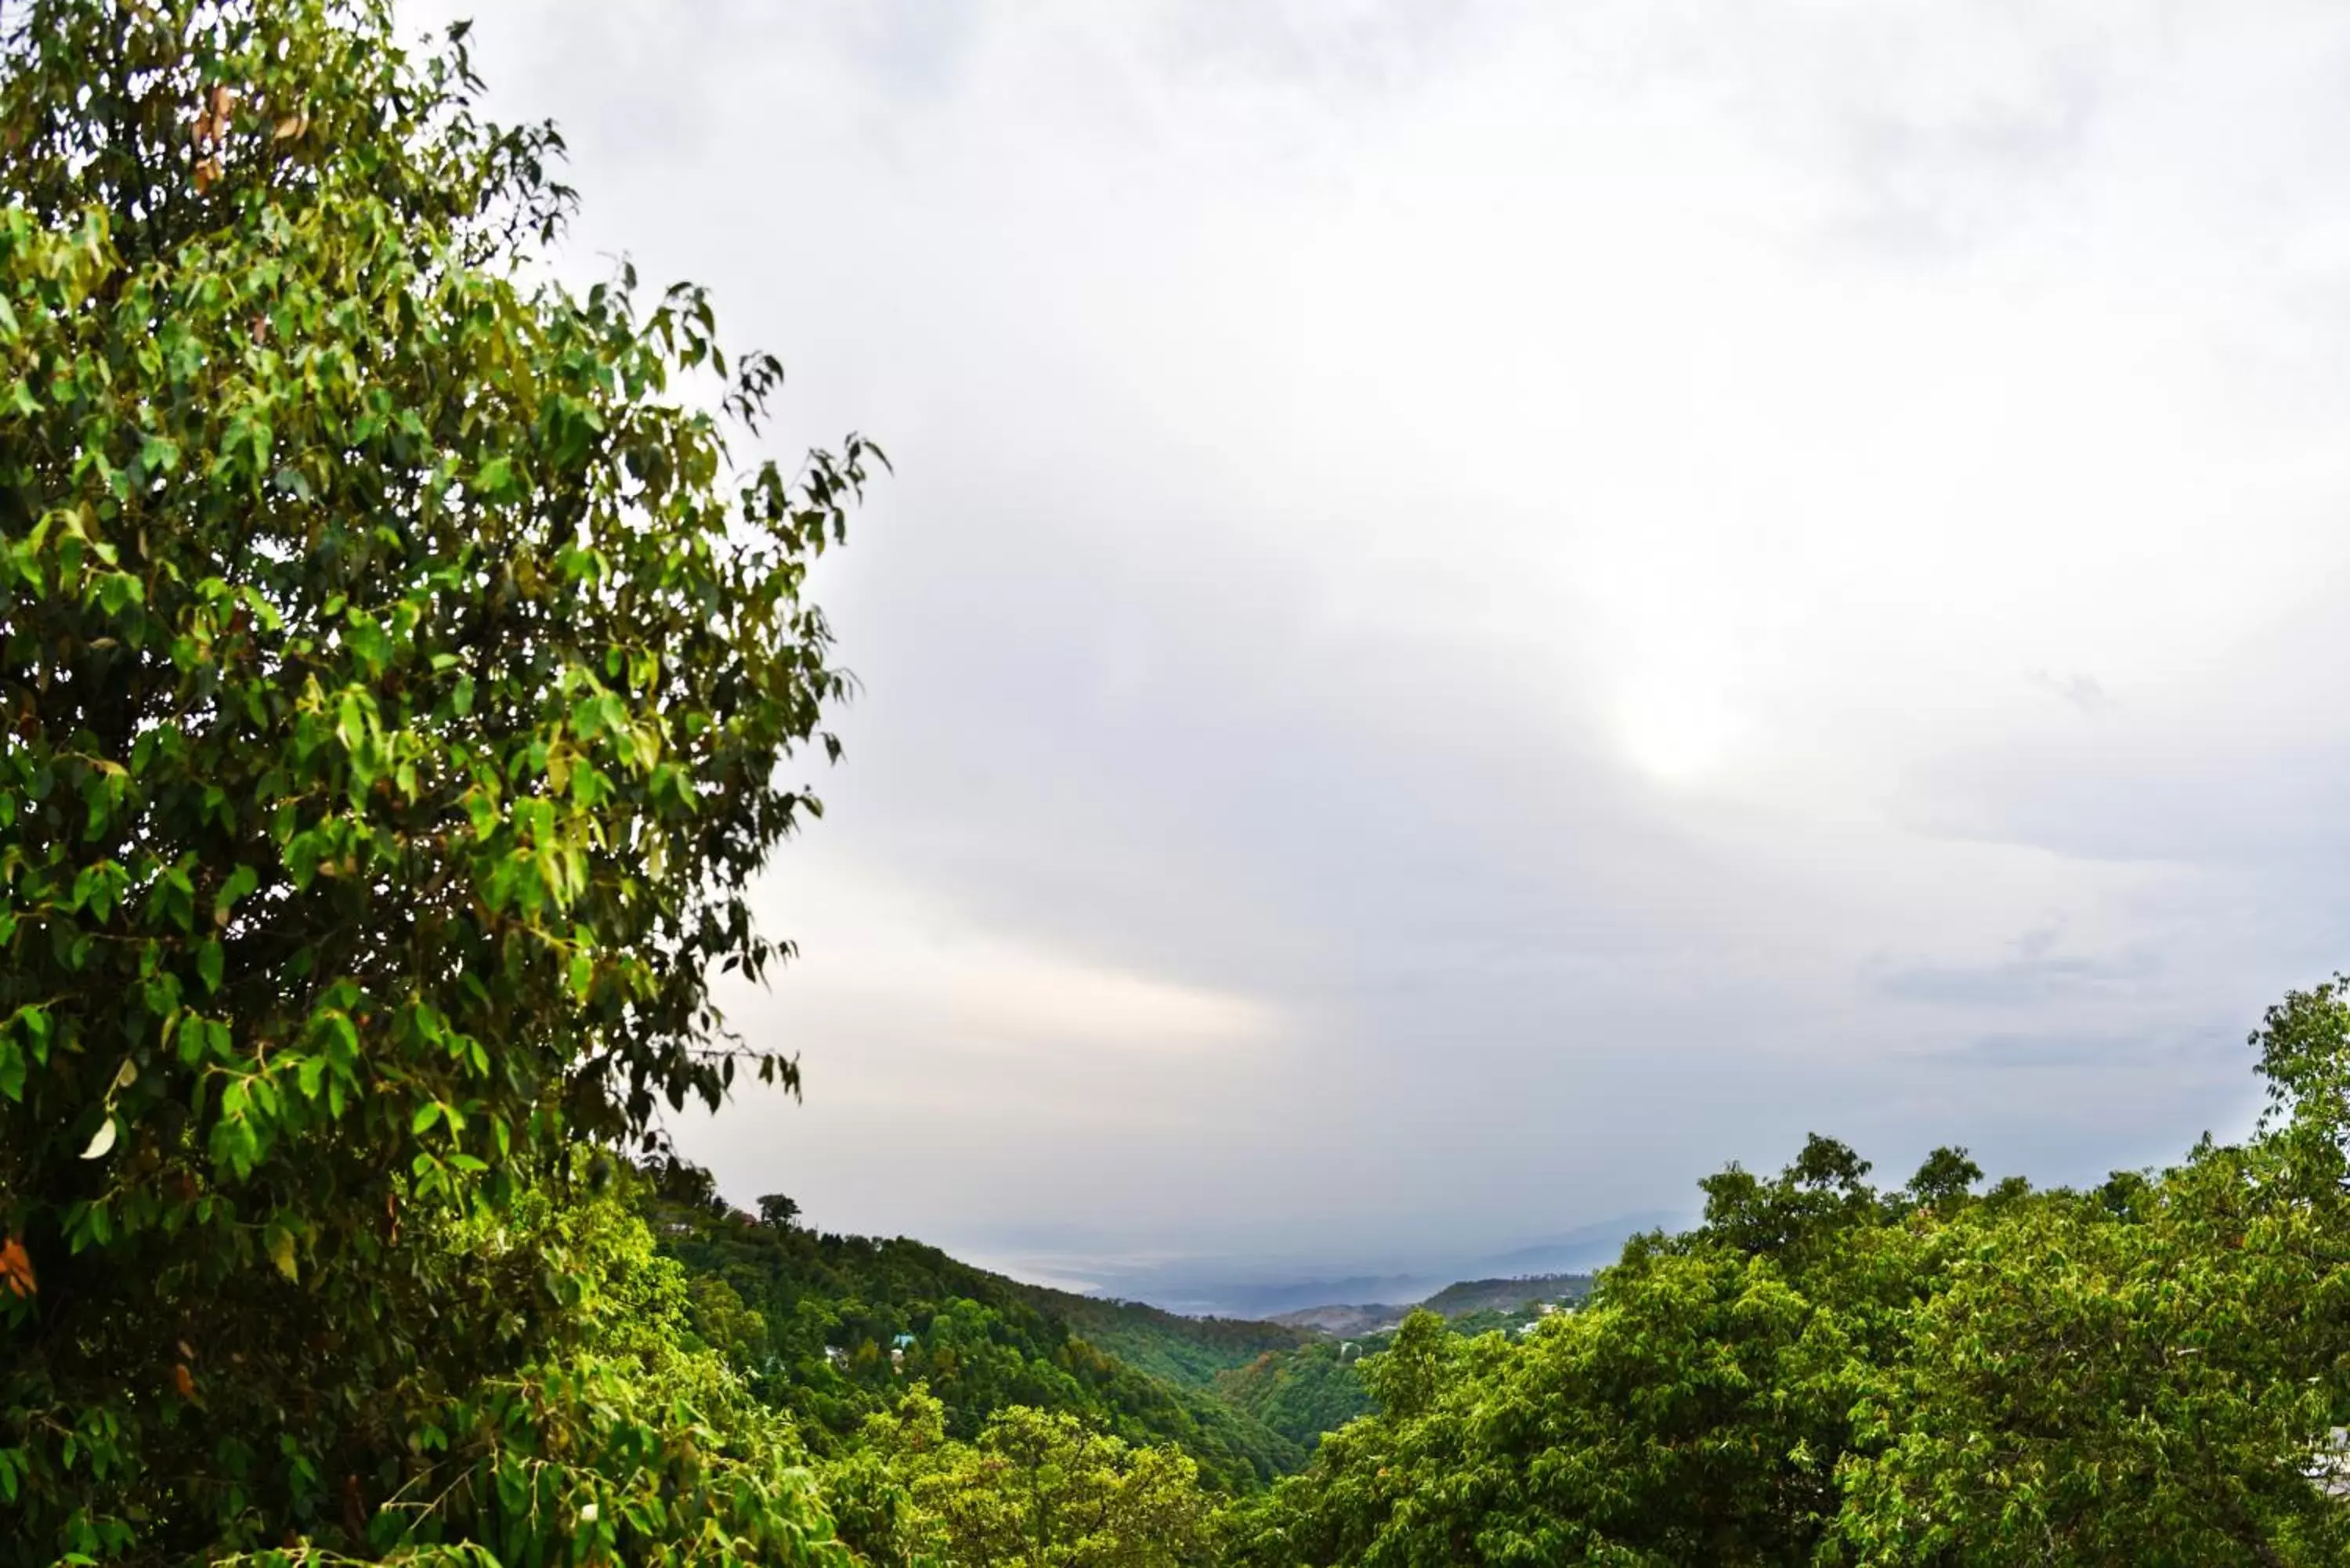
1486, 605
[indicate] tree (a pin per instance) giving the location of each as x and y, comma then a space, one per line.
1946, 1177
777, 1211
398, 673
1408, 1377
1044, 1490
2140, 1374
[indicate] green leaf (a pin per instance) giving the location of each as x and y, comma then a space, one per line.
242, 881
495, 480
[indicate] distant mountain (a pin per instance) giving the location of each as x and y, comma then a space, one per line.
1460, 1298
1580, 1251
1268, 1300
1367, 1318
1238, 1287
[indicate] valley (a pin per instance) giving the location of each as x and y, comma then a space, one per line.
834, 1329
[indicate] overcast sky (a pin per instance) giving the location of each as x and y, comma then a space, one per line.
1487, 607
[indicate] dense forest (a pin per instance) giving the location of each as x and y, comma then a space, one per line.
405, 681
833, 1328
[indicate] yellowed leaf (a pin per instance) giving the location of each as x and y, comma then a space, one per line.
17, 1268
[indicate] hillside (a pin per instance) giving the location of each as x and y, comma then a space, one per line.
1303, 1394
1365, 1317
1191, 1351
1465, 1297
833, 1328
1461, 1299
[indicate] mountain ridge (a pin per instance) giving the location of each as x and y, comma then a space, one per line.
1460, 1298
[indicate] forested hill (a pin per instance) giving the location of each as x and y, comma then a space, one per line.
1469, 1296
835, 1328
1187, 1350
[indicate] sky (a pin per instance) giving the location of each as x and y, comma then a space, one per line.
1488, 607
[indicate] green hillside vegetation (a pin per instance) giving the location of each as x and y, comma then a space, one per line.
1301, 1394
812, 1321
1192, 1351
1513, 1296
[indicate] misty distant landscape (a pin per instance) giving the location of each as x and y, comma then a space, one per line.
1247, 1287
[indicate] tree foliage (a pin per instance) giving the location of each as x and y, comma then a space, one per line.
1037, 1488
397, 669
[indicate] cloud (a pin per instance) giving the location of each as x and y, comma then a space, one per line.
2082, 691
2106, 1052
904, 957
2035, 974
1452, 644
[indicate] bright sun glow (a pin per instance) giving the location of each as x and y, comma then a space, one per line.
1678, 738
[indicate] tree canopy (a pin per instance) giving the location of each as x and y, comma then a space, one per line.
402, 668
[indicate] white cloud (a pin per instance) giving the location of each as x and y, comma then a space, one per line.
1469, 588
892, 955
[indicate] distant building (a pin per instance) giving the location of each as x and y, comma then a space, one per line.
2329, 1467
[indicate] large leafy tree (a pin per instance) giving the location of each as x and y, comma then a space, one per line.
395, 671
1039, 1489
